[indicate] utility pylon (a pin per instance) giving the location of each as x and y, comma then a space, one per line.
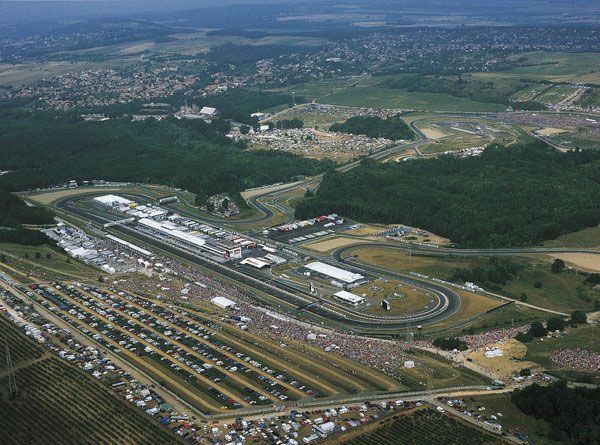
12, 383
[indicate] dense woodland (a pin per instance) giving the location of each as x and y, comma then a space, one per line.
14, 212
393, 127
573, 413
194, 155
514, 196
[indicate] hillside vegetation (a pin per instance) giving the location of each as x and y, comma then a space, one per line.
506, 197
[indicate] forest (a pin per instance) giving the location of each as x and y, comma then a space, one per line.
14, 212
573, 413
392, 127
40, 151
517, 196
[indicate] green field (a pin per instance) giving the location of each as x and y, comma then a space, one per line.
512, 418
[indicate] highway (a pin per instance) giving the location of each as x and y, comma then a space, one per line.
450, 251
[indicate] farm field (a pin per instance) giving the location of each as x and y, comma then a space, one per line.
566, 291
423, 426
570, 67
58, 403
380, 97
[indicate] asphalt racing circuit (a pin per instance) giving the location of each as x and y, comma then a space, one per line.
288, 298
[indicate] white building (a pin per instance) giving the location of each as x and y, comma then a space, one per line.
344, 276
349, 298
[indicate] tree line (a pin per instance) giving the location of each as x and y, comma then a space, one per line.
392, 127
517, 196
572, 412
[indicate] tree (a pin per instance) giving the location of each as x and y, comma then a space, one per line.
38, 255
557, 266
48, 256
100, 279
68, 261
523, 297
525, 372
2, 258
244, 129
524, 337
537, 284
555, 324
537, 329
579, 317
225, 205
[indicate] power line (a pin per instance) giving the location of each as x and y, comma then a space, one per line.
12, 383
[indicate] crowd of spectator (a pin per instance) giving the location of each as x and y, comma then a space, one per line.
577, 358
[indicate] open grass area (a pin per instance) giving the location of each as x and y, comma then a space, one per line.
47, 198
438, 372
512, 418
403, 299
589, 237
59, 403
565, 291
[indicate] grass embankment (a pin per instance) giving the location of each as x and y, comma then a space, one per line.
44, 262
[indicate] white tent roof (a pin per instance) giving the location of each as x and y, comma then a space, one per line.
334, 272
112, 200
223, 302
